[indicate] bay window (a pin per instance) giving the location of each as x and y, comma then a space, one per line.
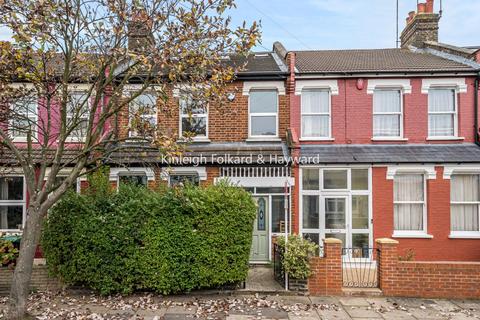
464, 204
442, 112
263, 113
387, 113
409, 204
12, 203
316, 119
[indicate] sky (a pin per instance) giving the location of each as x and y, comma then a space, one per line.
347, 24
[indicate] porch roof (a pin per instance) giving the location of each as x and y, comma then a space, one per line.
372, 154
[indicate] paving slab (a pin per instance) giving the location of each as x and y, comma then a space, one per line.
177, 316
289, 300
354, 301
397, 315
303, 315
333, 314
181, 309
324, 300
427, 314
362, 312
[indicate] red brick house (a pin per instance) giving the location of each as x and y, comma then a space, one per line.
351, 144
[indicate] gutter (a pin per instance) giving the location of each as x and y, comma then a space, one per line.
475, 108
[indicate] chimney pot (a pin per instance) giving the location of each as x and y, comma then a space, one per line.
421, 8
429, 6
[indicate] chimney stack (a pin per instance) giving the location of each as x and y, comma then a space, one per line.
140, 35
421, 26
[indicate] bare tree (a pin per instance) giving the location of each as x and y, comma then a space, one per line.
70, 70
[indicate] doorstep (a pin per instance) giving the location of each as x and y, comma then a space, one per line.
362, 292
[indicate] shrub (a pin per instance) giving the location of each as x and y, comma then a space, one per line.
8, 254
296, 254
167, 241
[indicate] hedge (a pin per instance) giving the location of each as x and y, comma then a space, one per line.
167, 241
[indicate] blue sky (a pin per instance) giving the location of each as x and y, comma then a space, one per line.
343, 24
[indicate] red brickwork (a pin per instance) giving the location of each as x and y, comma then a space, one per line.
432, 279
40, 279
327, 270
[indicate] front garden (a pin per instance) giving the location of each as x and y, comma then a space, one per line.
165, 241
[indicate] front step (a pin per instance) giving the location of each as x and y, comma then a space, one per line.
362, 292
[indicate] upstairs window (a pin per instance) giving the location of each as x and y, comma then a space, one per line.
263, 118
193, 117
78, 112
387, 113
316, 113
442, 113
143, 115
24, 118
409, 203
465, 202
12, 203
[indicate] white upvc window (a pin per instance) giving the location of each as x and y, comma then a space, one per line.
143, 114
193, 117
133, 178
316, 113
78, 113
442, 112
263, 113
12, 203
410, 212
387, 113
24, 119
464, 205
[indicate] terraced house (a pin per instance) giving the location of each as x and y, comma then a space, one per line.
350, 144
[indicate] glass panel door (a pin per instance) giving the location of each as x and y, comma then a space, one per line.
335, 217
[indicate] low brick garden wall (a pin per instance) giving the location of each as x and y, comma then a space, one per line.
40, 280
436, 279
326, 278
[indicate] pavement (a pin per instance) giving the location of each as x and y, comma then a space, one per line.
237, 306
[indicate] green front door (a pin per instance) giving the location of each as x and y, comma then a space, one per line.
260, 241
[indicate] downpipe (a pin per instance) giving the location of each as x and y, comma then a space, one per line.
475, 106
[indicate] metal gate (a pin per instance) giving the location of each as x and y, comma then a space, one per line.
359, 268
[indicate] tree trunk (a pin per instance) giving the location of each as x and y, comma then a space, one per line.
23, 271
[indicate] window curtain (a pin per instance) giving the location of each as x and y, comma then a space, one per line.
464, 188
386, 101
441, 100
408, 188
315, 101
315, 113
315, 126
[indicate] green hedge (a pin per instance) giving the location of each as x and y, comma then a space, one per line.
168, 241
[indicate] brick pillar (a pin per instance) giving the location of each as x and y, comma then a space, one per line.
387, 264
326, 278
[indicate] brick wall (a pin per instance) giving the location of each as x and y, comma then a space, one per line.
431, 279
352, 121
440, 247
40, 279
326, 278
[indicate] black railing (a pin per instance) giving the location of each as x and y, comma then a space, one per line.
278, 272
359, 268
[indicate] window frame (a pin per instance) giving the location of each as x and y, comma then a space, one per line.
454, 113
412, 233
186, 115
329, 114
131, 174
34, 121
263, 114
85, 116
132, 133
183, 173
22, 203
458, 233
399, 113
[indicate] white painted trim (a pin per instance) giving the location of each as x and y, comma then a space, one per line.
263, 182
389, 139
116, 172
79, 87
429, 171
201, 171
464, 235
445, 138
277, 85
331, 85
135, 87
403, 84
457, 83
448, 170
411, 234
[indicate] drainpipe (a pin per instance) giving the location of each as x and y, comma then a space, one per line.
475, 107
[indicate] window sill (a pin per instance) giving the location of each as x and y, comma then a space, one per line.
445, 138
412, 235
266, 139
472, 235
74, 140
389, 139
317, 139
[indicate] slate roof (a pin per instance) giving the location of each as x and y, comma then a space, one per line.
259, 62
412, 153
373, 61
